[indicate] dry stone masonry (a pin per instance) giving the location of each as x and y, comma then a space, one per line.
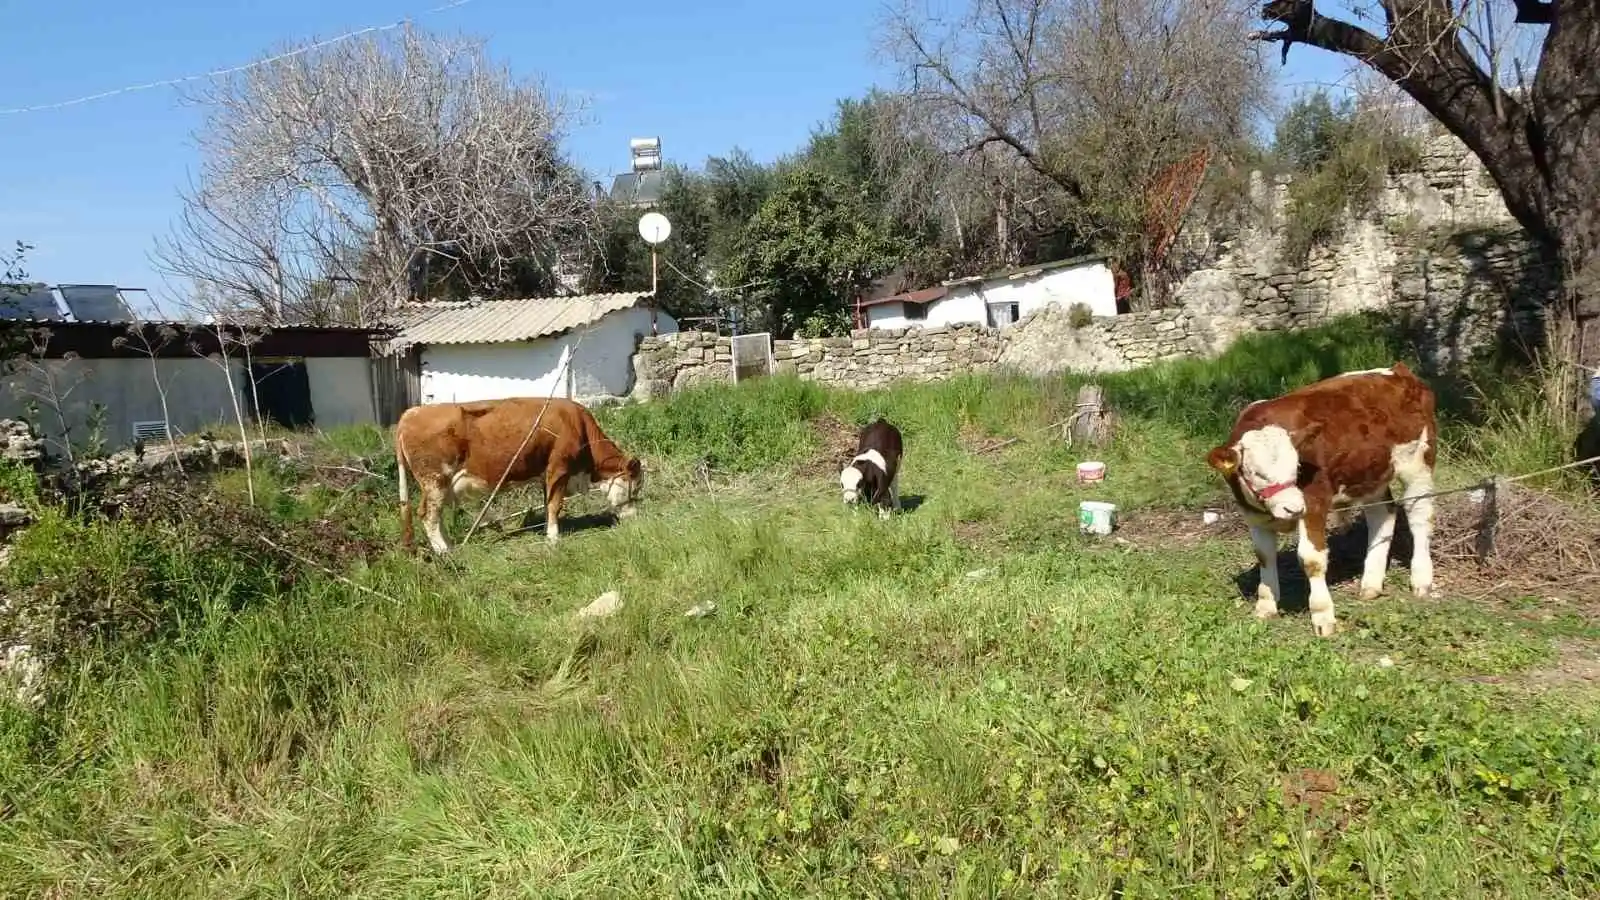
1440, 250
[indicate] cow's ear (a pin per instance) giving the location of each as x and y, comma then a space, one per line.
1224, 459
635, 467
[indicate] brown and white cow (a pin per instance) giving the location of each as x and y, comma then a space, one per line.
1338, 442
464, 448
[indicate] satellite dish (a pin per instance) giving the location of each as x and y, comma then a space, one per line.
654, 227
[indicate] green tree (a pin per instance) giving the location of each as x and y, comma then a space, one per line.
623, 260
810, 247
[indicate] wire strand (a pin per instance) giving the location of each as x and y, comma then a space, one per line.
168, 82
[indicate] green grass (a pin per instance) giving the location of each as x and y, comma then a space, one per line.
860, 717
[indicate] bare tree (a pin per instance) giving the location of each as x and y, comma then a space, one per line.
1090, 99
379, 167
232, 339
149, 340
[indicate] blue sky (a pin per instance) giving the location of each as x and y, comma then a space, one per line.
92, 185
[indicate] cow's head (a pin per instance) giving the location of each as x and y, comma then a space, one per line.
1267, 468
850, 483
624, 488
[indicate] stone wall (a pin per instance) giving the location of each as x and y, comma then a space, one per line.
869, 358
1440, 249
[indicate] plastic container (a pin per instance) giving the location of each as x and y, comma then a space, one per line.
1096, 517
1091, 472
1211, 516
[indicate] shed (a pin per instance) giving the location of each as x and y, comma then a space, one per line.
109, 380
998, 299
575, 347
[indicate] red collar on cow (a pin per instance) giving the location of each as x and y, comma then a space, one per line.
1267, 492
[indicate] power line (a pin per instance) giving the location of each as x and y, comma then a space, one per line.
232, 69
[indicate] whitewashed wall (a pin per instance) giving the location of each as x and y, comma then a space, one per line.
197, 396
341, 391
1091, 284
196, 389
601, 366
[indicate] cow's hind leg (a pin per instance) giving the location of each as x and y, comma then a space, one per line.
1266, 547
435, 497
1418, 505
1313, 553
1412, 467
1380, 535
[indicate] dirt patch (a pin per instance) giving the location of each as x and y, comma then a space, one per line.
1165, 527
836, 440
973, 439
1526, 542
1310, 788
1577, 665
974, 534
1540, 545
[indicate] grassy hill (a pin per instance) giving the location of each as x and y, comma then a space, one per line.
970, 700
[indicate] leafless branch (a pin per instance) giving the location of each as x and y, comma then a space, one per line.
1068, 111
342, 182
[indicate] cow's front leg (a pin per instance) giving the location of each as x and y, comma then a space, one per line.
555, 494
1313, 552
1265, 542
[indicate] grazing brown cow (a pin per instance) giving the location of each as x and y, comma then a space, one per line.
465, 448
1336, 443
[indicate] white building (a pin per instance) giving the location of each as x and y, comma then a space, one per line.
999, 298
579, 347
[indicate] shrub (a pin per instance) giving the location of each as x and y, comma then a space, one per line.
169, 555
1341, 159
761, 426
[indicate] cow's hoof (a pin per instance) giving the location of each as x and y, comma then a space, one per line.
1425, 592
1266, 609
1370, 593
1325, 628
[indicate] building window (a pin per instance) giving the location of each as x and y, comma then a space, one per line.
1002, 314
915, 312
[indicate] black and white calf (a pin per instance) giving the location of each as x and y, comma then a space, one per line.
874, 474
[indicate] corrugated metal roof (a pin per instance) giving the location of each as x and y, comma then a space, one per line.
494, 321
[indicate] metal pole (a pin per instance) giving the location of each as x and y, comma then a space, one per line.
655, 298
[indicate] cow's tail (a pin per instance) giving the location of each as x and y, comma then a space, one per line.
407, 537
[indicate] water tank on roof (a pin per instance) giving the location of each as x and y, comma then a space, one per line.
646, 153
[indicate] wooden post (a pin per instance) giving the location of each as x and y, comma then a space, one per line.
1091, 423
1489, 523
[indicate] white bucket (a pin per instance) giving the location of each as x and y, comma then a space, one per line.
1211, 516
1089, 472
1096, 517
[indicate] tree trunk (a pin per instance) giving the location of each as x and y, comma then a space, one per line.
1565, 138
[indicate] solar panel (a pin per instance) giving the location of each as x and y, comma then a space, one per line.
29, 301
95, 303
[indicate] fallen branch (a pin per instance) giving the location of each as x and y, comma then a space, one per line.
324, 569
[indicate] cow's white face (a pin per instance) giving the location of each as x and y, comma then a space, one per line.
850, 484
1269, 467
623, 490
